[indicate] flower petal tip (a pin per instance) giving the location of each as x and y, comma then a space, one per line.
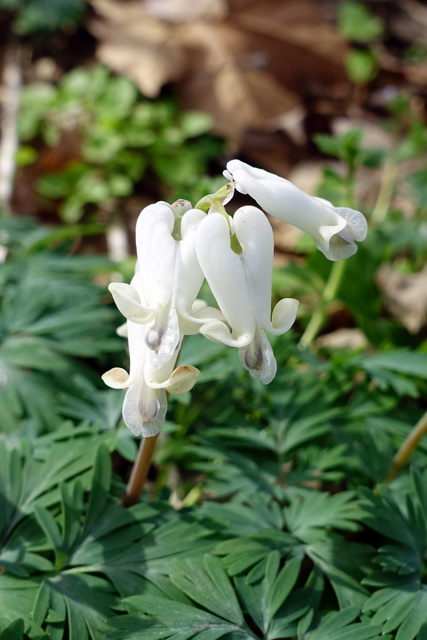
183, 379
284, 315
144, 414
356, 221
116, 378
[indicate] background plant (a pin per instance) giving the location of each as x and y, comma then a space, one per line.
55, 327
32, 17
107, 137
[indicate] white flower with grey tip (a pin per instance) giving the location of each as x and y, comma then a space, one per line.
334, 229
145, 403
177, 247
241, 285
167, 280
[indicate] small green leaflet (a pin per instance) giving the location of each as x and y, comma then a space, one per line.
204, 581
340, 626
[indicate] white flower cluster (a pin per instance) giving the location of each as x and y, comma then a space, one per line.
177, 248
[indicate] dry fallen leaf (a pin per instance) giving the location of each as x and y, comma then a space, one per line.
226, 82
134, 44
405, 296
302, 50
184, 11
343, 339
246, 62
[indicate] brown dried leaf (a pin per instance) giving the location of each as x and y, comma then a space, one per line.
184, 11
139, 46
343, 339
408, 21
416, 73
246, 70
298, 45
405, 296
226, 83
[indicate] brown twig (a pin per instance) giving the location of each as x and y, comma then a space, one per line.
139, 472
407, 448
11, 82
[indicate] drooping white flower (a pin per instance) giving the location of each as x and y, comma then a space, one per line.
167, 279
145, 403
333, 229
241, 284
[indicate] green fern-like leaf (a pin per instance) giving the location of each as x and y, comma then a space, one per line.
204, 582
52, 322
341, 626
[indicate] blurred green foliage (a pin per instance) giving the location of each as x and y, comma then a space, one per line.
54, 323
116, 138
357, 23
38, 17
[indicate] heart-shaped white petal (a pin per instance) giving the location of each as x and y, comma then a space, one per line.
241, 284
255, 235
225, 274
156, 250
188, 275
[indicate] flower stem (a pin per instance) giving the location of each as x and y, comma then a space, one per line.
385, 193
329, 293
407, 448
139, 471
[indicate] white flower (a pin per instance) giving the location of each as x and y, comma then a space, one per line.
334, 229
241, 285
167, 279
145, 403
